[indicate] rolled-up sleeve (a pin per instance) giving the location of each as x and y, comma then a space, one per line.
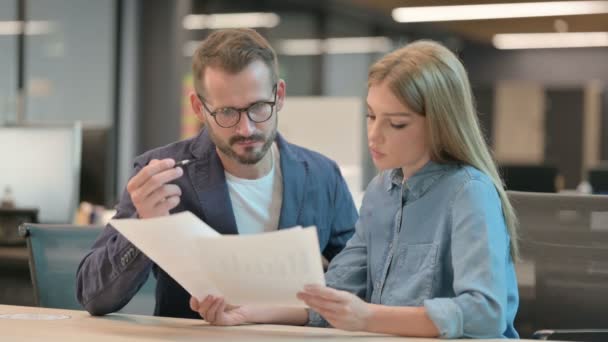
480, 255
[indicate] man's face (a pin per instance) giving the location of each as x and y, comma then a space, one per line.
247, 142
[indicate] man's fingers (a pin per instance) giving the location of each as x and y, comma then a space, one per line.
231, 307
324, 262
168, 204
162, 193
221, 309
213, 313
203, 306
154, 167
193, 304
158, 180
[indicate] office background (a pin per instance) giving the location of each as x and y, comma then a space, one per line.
120, 70
119, 66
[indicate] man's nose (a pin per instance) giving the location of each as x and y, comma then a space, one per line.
245, 127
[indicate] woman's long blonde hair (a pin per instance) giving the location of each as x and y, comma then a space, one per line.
430, 80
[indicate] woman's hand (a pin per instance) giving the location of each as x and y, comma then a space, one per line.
217, 312
341, 309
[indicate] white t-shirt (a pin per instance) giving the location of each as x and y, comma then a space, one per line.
256, 203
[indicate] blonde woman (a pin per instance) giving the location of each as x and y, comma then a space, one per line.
434, 246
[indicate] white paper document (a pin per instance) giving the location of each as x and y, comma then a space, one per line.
267, 268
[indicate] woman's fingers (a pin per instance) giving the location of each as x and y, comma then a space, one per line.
319, 303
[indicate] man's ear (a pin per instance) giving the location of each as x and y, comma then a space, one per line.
281, 87
197, 107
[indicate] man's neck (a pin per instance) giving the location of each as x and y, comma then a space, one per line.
247, 171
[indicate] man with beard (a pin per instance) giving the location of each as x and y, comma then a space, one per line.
241, 177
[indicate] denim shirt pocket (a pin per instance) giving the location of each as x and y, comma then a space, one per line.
410, 278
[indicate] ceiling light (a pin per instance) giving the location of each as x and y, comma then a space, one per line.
300, 47
349, 45
357, 45
550, 40
230, 20
498, 11
31, 27
312, 47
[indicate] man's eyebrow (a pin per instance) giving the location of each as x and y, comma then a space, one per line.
248, 105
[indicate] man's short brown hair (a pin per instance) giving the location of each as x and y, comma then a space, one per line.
232, 50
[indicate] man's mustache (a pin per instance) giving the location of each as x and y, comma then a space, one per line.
239, 138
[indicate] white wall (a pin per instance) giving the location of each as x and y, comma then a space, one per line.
519, 122
331, 126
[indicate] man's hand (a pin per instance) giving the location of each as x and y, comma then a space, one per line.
149, 191
325, 263
341, 309
215, 311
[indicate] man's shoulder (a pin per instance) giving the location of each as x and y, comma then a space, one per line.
312, 158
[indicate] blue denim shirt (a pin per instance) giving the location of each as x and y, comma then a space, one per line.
439, 240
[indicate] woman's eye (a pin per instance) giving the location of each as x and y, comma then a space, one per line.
398, 126
371, 117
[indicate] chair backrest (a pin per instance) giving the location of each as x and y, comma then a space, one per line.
580, 335
599, 180
571, 219
523, 177
55, 253
565, 240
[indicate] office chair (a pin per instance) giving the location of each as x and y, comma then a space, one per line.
584, 335
10, 220
536, 178
571, 219
565, 239
598, 178
55, 253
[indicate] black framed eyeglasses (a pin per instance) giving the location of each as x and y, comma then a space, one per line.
229, 116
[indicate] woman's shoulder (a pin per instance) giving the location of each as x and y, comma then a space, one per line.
463, 177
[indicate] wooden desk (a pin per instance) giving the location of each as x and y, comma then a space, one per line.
80, 326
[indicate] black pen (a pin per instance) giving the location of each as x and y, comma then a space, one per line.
186, 162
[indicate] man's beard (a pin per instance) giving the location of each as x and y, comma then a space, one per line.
250, 157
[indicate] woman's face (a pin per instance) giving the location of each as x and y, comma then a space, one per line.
397, 136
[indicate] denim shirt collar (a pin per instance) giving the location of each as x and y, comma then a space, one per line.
420, 182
